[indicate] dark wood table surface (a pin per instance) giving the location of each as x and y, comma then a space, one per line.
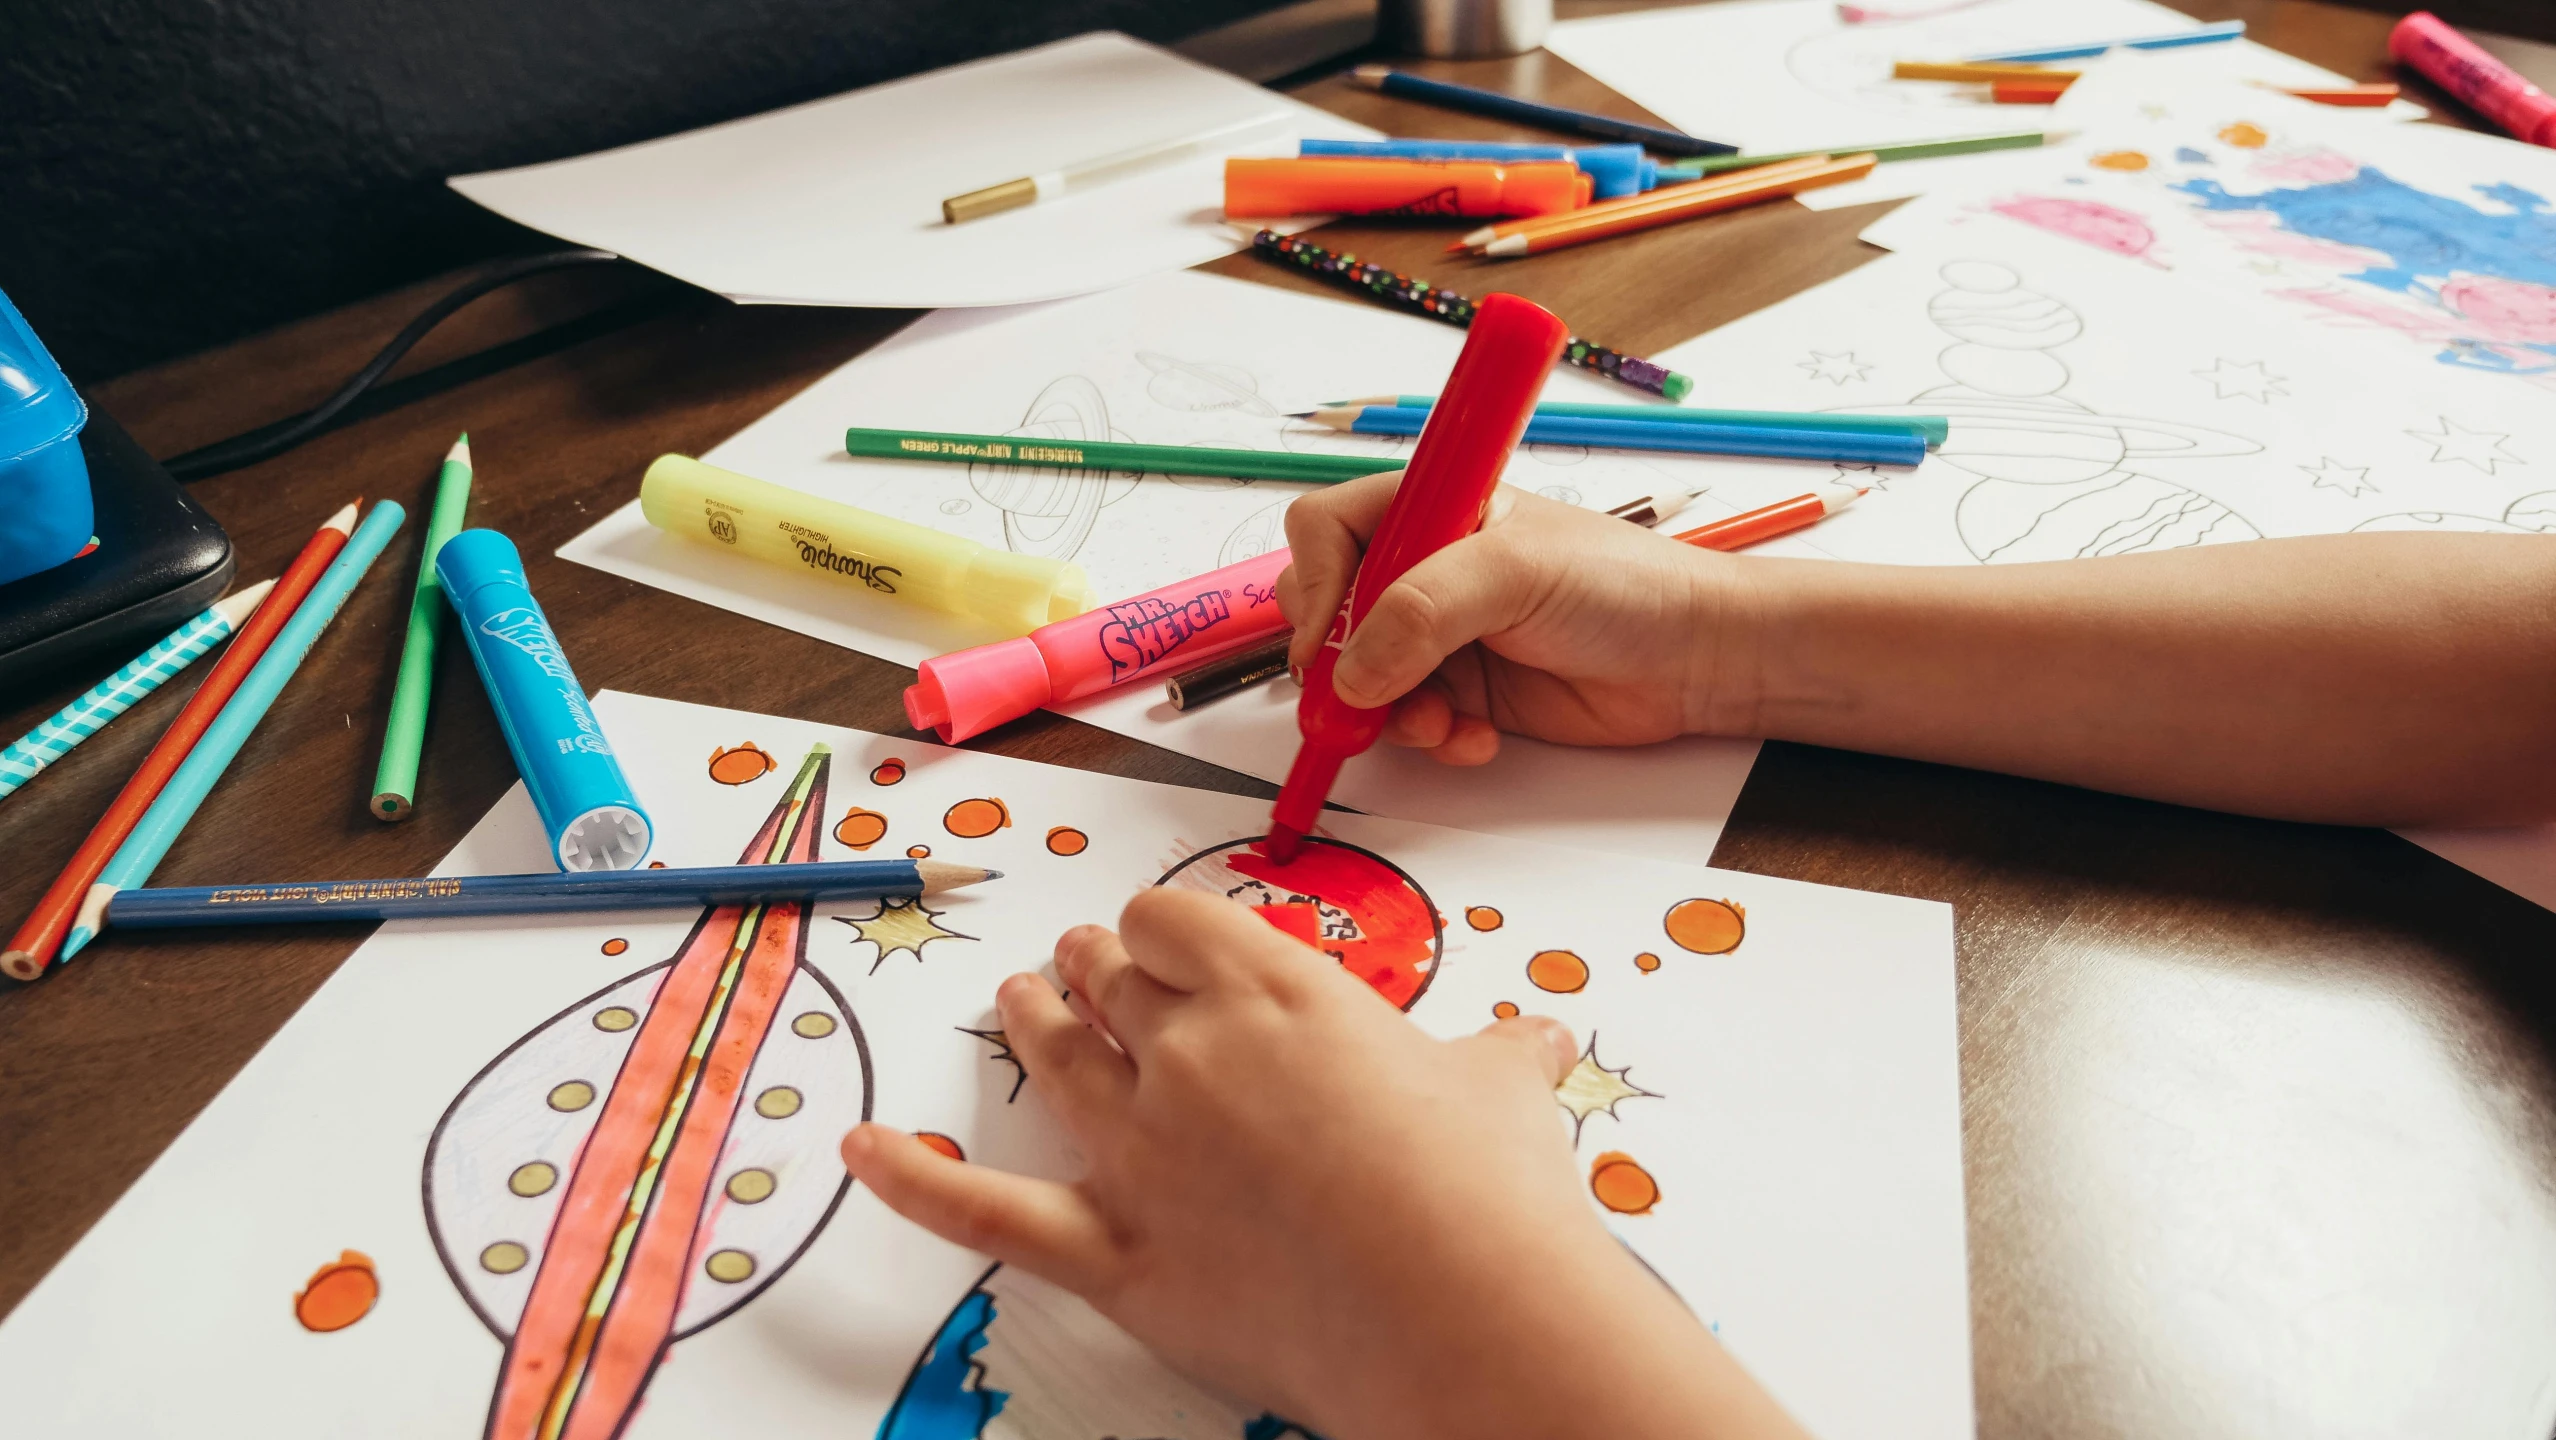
2259, 1120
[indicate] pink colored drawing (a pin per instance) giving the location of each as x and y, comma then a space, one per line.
2502, 308
2106, 227
2305, 167
2260, 231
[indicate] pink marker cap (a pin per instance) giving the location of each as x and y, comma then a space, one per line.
968, 692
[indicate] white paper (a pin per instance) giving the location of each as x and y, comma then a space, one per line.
1793, 75
1802, 1128
2101, 408
1191, 359
2429, 248
838, 202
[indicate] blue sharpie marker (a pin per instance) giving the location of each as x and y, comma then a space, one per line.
595, 823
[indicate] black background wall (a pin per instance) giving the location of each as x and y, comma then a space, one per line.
177, 173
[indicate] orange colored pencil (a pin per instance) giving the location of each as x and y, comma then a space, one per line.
1668, 196
1768, 521
2381, 93
33, 947
1749, 187
2028, 92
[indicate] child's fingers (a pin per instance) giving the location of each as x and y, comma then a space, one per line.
1478, 586
1544, 1041
1039, 1225
1077, 1070
1426, 719
1129, 1003
1326, 534
1193, 941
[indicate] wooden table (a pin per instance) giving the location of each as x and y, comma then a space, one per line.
2259, 1119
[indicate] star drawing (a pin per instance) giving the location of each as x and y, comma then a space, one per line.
1003, 1055
1840, 367
1592, 1087
2250, 380
900, 924
1857, 477
2454, 442
2332, 474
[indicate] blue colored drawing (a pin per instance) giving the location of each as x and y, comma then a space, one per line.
2486, 280
2190, 156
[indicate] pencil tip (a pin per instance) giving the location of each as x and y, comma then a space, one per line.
460, 453
77, 941
1371, 76
345, 518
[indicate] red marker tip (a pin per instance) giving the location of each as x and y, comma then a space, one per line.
1284, 842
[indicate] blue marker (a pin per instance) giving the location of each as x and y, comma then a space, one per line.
2199, 35
595, 823
1617, 170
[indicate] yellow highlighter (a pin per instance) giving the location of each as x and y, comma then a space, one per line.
859, 549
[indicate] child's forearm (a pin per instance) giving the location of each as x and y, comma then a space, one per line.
2361, 679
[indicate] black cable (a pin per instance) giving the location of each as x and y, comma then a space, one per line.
274, 440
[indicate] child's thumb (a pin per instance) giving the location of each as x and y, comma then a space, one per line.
1546, 1041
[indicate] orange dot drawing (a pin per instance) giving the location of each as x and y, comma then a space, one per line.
746, 762
1066, 840
1707, 927
976, 819
1482, 917
615, 945
889, 771
918, 852
2245, 136
1622, 1185
861, 829
338, 1293
2119, 160
1504, 1011
656, 864
1559, 971
1646, 962
942, 1143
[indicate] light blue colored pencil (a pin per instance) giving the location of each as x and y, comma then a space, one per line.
160, 825
29, 754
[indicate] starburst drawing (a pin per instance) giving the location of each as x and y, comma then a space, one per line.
1857, 477
1003, 1055
1839, 367
900, 924
1591, 1087
2454, 443
2332, 474
2247, 380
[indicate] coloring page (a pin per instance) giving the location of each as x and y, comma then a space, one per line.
2434, 247
1772, 75
576, 1176
1185, 359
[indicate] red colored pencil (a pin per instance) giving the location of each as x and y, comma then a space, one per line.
33, 947
1768, 521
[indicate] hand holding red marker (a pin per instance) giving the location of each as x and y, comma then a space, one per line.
1473, 428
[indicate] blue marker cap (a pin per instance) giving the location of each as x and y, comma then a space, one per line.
595, 823
1615, 170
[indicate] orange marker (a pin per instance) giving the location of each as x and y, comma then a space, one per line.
1401, 187
1671, 203
1768, 521
2028, 92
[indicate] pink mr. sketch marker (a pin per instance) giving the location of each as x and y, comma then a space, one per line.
968, 692
2487, 85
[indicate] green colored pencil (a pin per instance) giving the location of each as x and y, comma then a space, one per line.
395, 783
1931, 428
1030, 450
1915, 150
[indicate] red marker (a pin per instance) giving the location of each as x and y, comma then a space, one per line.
1476, 422
1768, 521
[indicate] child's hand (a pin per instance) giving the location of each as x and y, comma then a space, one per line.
1300, 1198
1553, 621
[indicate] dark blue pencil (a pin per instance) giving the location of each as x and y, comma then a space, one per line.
1528, 112
332, 900
1851, 447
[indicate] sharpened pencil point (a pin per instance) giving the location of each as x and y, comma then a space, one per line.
460, 453
1371, 76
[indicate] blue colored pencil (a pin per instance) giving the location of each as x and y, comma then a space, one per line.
29, 754
560, 892
1933, 429
1528, 112
158, 829
2201, 35
1852, 447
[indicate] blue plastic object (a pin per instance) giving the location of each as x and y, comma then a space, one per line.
1615, 170
45, 509
595, 823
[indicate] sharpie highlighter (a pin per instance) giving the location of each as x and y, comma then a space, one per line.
860, 550
968, 692
1475, 424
